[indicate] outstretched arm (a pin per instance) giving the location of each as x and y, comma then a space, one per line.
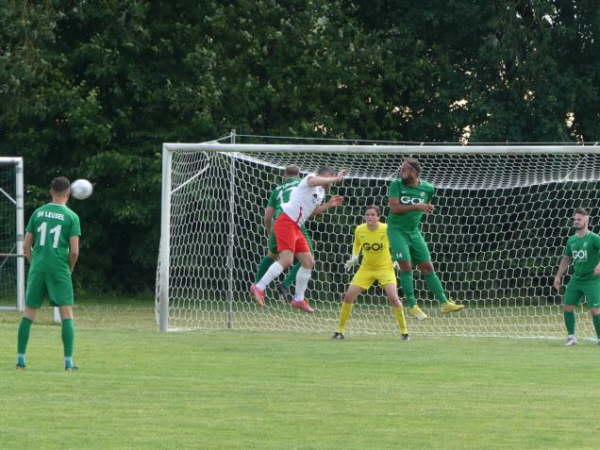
562, 269
332, 203
326, 181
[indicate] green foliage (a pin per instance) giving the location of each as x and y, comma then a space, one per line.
91, 89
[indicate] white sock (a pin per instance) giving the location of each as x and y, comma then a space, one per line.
273, 272
302, 279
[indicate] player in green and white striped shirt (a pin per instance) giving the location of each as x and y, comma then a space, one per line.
279, 196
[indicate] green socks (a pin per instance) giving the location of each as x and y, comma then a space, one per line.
263, 267
22, 339
435, 285
291, 276
408, 288
570, 322
68, 338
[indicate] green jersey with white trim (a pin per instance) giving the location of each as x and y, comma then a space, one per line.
409, 195
585, 255
52, 225
281, 194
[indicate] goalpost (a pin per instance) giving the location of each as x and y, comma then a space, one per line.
12, 263
502, 217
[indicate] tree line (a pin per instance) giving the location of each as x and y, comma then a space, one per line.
92, 89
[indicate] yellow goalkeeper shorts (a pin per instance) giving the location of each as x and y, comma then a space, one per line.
366, 276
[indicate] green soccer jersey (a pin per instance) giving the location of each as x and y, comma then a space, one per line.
281, 194
52, 225
409, 195
585, 254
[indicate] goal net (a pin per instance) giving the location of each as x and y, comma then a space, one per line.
502, 217
12, 266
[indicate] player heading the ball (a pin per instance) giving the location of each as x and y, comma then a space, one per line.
370, 239
306, 200
280, 195
409, 198
583, 249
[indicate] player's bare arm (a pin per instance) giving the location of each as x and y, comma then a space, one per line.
326, 181
27, 244
398, 208
268, 219
73, 251
597, 270
565, 261
332, 203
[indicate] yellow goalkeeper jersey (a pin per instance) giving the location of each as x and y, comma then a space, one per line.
374, 245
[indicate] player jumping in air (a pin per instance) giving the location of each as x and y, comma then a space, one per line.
54, 231
409, 199
306, 200
371, 239
583, 249
279, 196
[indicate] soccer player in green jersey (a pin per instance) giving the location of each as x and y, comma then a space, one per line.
279, 196
53, 231
583, 249
409, 198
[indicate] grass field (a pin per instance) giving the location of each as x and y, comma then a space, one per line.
138, 388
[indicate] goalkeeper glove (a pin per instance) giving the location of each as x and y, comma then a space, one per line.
396, 265
351, 263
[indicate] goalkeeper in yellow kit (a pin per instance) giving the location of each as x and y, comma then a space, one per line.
371, 239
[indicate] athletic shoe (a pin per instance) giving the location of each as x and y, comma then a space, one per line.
302, 305
21, 366
450, 306
71, 368
405, 337
417, 313
258, 295
338, 336
284, 292
571, 341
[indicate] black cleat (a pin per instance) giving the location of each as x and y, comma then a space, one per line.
284, 293
21, 366
406, 337
337, 335
71, 369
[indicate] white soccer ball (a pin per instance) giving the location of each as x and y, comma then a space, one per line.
81, 189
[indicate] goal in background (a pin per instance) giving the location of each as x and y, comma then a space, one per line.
502, 217
12, 264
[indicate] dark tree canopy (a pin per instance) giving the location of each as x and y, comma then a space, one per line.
92, 89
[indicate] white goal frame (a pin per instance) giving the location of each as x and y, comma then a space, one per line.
163, 272
18, 201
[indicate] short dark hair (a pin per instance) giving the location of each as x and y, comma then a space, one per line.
415, 164
60, 184
582, 211
325, 169
375, 208
292, 170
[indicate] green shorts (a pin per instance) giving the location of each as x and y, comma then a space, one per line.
57, 286
408, 246
273, 241
576, 289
